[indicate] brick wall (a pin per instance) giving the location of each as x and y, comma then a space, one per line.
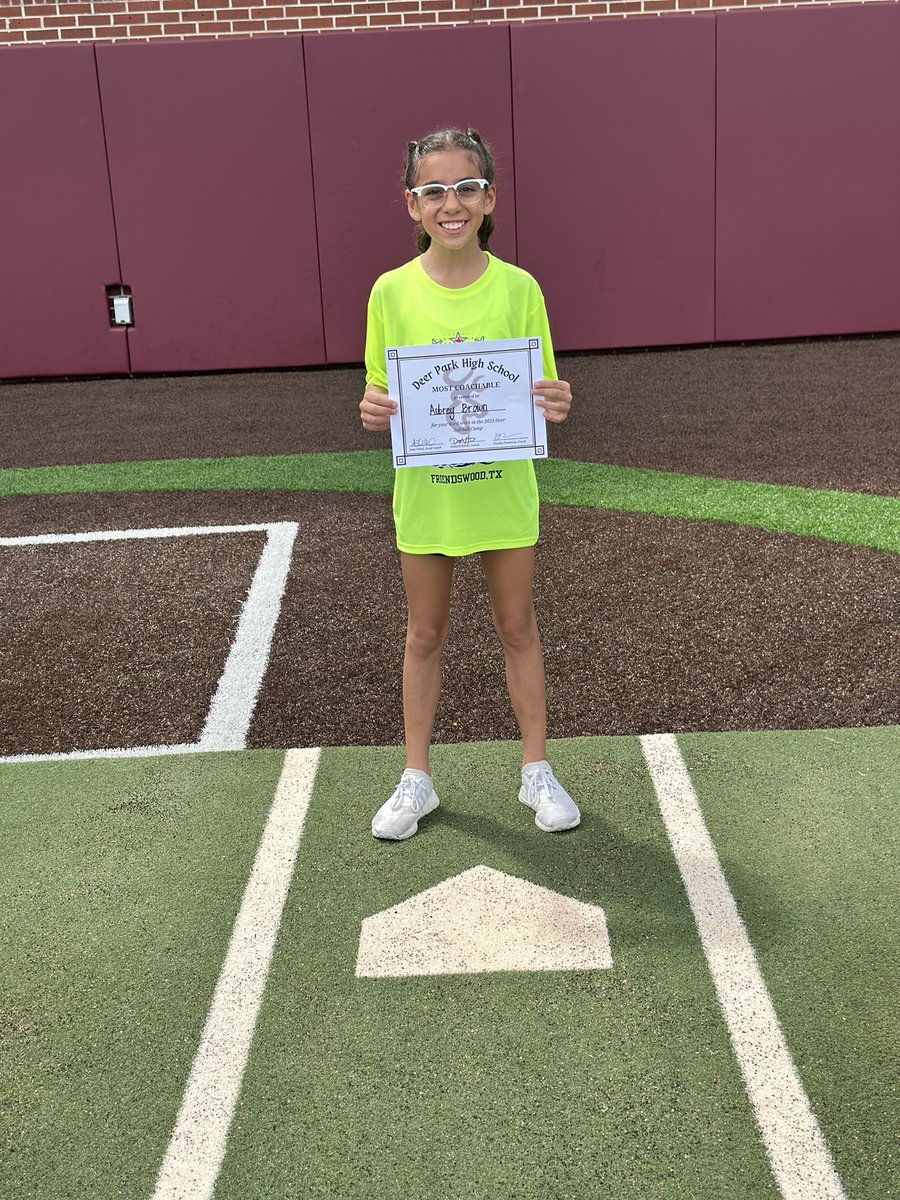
55, 21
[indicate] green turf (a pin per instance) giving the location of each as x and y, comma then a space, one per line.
119, 885
120, 881
533, 1085
806, 829
857, 519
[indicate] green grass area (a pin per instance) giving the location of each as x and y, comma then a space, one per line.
806, 829
853, 518
120, 881
119, 885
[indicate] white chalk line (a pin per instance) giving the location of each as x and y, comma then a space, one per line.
127, 535
796, 1148
234, 701
231, 709
196, 1149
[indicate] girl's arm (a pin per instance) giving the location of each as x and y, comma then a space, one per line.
375, 409
554, 396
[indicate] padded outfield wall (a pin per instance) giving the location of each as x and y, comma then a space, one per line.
680, 180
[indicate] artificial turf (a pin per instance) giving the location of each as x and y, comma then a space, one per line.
121, 879
848, 517
119, 885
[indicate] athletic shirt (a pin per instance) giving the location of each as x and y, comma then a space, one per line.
482, 506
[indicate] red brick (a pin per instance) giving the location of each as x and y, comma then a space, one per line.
41, 35
15, 35
249, 26
214, 27
658, 5
383, 22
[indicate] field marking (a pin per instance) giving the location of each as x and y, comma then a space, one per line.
128, 535
231, 708
794, 1143
196, 1148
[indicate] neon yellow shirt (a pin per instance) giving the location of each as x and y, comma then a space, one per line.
482, 506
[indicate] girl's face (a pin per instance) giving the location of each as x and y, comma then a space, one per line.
453, 224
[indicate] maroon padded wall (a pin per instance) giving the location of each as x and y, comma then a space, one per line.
615, 142
370, 94
808, 172
211, 179
59, 246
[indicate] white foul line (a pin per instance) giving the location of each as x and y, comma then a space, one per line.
796, 1148
231, 709
197, 1146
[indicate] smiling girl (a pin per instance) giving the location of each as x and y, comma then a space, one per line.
457, 292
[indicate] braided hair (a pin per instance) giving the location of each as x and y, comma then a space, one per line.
468, 140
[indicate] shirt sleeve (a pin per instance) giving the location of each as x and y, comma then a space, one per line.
539, 322
375, 369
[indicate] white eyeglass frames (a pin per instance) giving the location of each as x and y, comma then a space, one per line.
467, 191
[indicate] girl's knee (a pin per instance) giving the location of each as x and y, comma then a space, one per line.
518, 631
424, 639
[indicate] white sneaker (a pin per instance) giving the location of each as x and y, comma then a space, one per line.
554, 808
412, 798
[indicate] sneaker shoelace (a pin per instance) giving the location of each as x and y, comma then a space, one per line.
540, 784
411, 793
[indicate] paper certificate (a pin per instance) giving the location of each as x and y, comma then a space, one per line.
468, 403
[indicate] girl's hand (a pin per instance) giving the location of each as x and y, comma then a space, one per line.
554, 396
375, 409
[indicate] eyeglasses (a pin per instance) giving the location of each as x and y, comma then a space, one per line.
467, 190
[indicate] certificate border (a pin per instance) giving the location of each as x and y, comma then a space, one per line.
501, 454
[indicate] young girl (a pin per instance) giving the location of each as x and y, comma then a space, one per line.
455, 291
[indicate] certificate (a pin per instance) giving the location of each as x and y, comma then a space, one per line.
469, 403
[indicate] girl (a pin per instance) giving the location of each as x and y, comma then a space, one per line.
457, 292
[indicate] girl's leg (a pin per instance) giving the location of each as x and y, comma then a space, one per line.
427, 579
510, 580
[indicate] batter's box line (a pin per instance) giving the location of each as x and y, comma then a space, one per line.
234, 701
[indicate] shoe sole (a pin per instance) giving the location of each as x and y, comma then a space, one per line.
548, 828
401, 837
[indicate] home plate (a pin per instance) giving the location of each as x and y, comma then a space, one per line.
483, 920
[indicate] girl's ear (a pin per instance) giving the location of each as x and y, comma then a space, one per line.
490, 198
412, 205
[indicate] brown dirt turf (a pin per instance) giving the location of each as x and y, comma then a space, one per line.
648, 625
823, 414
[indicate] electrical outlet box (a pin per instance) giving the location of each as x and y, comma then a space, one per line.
121, 306
122, 311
